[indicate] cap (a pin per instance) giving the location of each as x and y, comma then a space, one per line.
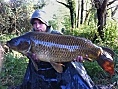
41, 15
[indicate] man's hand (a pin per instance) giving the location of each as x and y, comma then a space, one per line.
81, 59
32, 56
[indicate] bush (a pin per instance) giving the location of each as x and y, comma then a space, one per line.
13, 69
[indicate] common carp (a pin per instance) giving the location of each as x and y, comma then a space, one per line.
56, 49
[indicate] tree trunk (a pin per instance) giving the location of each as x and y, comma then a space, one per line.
82, 9
71, 6
101, 14
78, 14
72, 14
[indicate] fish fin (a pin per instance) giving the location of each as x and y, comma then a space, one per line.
57, 66
106, 62
89, 59
35, 65
31, 56
110, 51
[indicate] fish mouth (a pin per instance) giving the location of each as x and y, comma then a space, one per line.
10, 45
7, 44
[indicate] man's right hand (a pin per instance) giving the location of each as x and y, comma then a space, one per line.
81, 59
32, 56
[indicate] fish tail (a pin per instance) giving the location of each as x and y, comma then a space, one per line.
105, 60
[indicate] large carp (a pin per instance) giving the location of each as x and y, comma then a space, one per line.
55, 49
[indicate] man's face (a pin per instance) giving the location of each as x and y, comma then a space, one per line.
39, 26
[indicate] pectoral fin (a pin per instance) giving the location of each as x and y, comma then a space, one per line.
35, 65
57, 66
31, 57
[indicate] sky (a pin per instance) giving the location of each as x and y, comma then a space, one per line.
116, 15
53, 8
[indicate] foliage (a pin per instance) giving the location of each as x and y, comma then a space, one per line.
13, 69
111, 33
53, 23
40, 4
14, 17
86, 31
67, 23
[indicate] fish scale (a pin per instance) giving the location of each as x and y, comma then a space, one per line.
65, 48
55, 48
62, 48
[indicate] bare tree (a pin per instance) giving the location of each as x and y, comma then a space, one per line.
101, 6
116, 7
113, 13
82, 9
71, 6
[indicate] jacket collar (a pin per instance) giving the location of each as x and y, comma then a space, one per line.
49, 29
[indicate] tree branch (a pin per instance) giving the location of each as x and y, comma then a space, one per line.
113, 13
104, 5
63, 4
111, 2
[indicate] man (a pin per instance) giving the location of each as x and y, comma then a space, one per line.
74, 75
